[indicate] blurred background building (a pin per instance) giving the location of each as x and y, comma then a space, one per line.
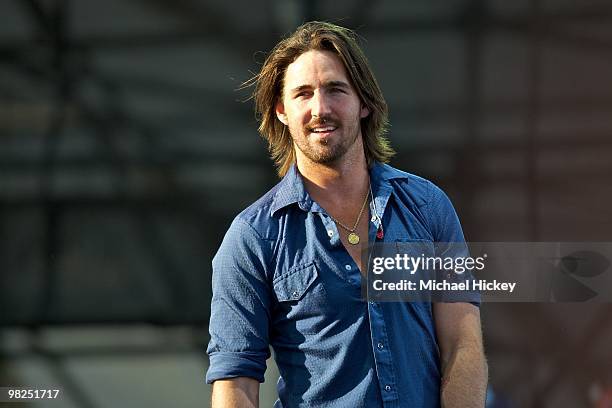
126, 150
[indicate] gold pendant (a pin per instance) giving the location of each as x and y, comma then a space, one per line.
353, 238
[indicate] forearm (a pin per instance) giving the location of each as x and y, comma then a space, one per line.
464, 379
240, 392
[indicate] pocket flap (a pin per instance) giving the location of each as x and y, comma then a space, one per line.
291, 287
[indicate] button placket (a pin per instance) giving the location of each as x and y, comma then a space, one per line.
330, 229
378, 332
382, 357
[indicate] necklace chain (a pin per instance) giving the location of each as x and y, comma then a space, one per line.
352, 230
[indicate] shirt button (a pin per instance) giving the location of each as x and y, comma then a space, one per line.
295, 294
387, 388
380, 346
347, 267
330, 233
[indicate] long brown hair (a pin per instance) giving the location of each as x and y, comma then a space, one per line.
268, 83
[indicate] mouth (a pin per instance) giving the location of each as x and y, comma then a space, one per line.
323, 131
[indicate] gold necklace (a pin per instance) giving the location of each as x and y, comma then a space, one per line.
353, 237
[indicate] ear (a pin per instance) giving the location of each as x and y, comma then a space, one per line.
280, 111
365, 111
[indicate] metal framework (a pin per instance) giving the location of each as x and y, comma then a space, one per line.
58, 61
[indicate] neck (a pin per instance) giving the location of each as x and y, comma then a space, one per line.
335, 184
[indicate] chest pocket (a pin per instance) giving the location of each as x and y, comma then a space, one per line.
421, 250
293, 285
301, 302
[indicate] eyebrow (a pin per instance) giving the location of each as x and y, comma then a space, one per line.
329, 84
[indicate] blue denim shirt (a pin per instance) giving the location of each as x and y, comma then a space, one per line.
282, 278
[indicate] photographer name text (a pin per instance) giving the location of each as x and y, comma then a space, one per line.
444, 285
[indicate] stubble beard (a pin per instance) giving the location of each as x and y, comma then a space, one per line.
327, 151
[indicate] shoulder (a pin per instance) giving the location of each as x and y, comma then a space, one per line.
428, 200
257, 217
247, 245
418, 190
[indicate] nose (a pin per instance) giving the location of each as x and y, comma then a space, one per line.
319, 105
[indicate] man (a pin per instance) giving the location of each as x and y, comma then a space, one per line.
288, 273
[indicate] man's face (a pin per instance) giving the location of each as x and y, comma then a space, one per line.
321, 107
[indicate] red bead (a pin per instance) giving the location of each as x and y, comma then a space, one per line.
380, 234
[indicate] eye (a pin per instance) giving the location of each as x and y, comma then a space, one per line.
337, 90
302, 94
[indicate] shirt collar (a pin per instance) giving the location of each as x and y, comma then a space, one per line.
381, 173
291, 188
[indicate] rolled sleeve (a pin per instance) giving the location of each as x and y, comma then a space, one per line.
240, 308
229, 365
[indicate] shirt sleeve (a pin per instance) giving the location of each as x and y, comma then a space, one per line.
240, 309
450, 242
